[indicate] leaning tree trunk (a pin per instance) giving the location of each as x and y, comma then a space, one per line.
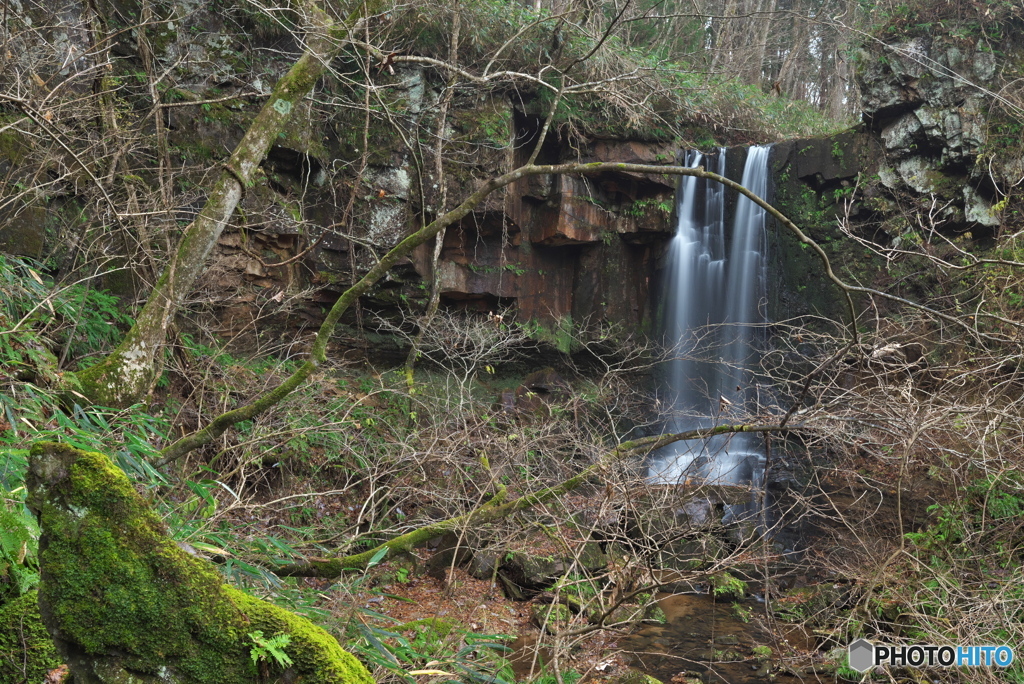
498, 508
128, 373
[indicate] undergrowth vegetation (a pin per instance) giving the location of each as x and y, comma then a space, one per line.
991, 21
352, 459
44, 326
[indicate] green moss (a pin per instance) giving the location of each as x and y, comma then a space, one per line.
635, 677
552, 618
97, 385
295, 210
125, 598
267, 25
196, 152
384, 139
314, 652
490, 124
14, 147
161, 37
27, 652
301, 133
560, 333
656, 614
435, 627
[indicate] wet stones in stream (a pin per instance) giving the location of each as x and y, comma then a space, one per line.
701, 639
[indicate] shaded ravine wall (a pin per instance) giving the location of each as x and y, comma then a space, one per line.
567, 249
557, 250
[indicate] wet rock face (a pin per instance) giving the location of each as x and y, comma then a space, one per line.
813, 178
933, 153
22, 231
563, 250
558, 250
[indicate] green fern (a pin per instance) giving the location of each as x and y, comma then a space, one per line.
19, 536
266, 649
40, 320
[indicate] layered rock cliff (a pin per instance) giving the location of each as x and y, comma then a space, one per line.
938, 148
937, 161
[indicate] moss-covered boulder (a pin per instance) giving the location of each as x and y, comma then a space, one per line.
26, 649
125, 604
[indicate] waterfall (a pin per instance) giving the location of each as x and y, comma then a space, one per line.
713, 315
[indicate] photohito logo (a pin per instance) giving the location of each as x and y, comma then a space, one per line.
864, 655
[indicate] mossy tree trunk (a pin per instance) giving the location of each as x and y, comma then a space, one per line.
498, 508
127, 374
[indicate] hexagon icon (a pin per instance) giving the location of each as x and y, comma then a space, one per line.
861, 655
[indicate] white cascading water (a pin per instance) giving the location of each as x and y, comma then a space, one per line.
714, 312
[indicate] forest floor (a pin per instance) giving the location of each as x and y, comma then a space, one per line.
401, 597
477, 606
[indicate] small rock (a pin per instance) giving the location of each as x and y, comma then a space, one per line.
902, 133
483, 564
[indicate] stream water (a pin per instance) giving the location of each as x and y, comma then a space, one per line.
714, 642
701, 637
